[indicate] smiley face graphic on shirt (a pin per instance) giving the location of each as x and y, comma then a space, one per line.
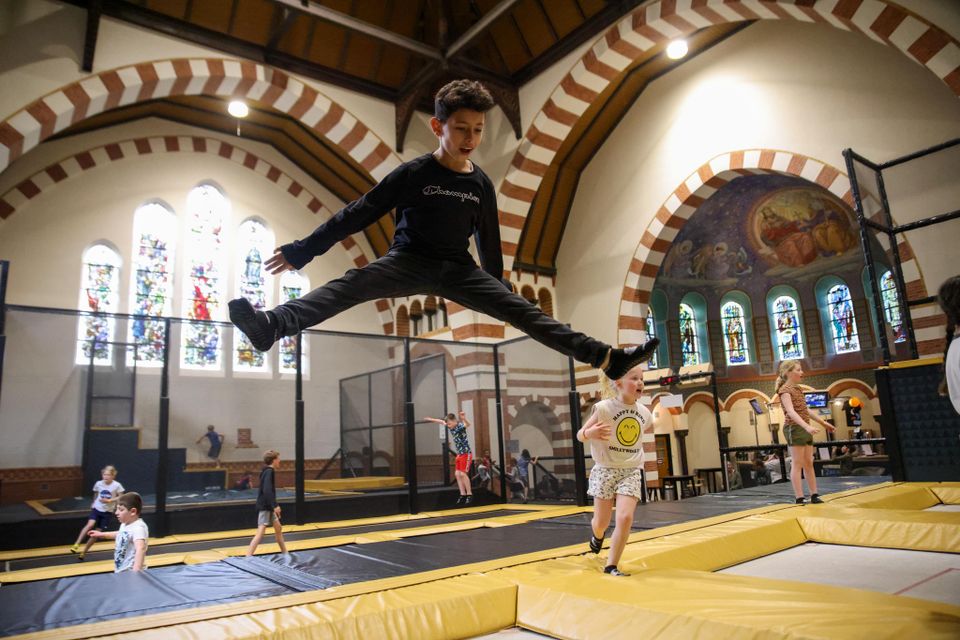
628, 431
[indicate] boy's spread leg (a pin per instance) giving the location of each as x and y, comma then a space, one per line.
394, 275
476, 289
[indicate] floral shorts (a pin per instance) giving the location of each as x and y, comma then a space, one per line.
607, 483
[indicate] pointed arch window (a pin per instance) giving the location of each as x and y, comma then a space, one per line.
689, 340
203, 286
151, 284
891, 306
652, 333
843, 322
99, 294
292, 286
788, 338
254, 242
733, 321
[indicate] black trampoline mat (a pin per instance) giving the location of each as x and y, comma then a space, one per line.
48, 604
202, 545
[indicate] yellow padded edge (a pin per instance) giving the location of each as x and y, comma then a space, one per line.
903, 496
374, 482
82, 569
677, 603
947, 495
920, 362
887, 528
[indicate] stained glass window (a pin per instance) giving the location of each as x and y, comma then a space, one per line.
292, 285
151, 284
891, 306
99, 293
843, 324
255, 243
688, 336
788, 337
652, 333
734, 333
202, 293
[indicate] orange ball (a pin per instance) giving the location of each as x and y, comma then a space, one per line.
855, 402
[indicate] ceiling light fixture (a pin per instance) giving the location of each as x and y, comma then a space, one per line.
677, 49
238, 109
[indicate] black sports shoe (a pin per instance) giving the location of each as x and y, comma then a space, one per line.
800, 501
613, 571
468, 499
622, 360
254, 324
815, 498
461, 499
596, 544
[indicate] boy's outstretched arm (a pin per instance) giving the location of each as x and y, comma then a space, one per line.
487, 238
354, 217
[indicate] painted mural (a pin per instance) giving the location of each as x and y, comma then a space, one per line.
759, 231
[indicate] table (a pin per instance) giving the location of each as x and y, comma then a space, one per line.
710, 477
678, 482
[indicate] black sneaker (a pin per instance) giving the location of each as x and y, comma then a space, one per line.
622, 360
461, 499
254, 324
815, 499
613, 571
468, 500
596, 544
801, 501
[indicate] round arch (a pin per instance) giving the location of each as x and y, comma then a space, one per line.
692, 192
656, 23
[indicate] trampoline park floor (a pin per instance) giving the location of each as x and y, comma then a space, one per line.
478, 571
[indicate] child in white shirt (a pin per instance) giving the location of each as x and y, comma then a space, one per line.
105, 493
130, 552
615, 432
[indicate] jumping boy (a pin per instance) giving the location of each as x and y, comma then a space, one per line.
268, 510
132, 539
106, 490
441, 199
464, 454
216, 443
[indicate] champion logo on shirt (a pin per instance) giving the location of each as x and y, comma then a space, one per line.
436, 190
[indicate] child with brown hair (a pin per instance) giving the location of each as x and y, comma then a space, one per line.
615, 432
464, 454
268, 510
949, 298
132, 540
106, 490
797, 428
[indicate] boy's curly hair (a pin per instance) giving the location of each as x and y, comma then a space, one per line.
461, 94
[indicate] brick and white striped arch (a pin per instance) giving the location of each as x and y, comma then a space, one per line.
652, 25
700, 185
59, 172
94, 94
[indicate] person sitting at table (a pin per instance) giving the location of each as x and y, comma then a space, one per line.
734, 479
760, 472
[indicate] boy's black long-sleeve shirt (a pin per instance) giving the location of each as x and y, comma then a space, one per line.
438, 209
267, 495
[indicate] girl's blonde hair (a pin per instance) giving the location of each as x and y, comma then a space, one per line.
109, 468
785, 367
607, 387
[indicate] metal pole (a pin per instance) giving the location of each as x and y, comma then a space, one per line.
412, 496
300, 469
4, 268
579, 461
721, 436
163, 436
897, 270
445, 458
498, 407
868, 254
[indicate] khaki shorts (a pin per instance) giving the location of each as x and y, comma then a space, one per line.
797, 436
606, 483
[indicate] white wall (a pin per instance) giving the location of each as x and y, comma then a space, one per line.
750, 91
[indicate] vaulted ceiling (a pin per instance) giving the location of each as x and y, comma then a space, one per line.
400, 51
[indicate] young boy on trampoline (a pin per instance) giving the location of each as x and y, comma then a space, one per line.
268, 509
798, 429
216, 443
106, 490
615, 432
441, 199
132, 540
464, 454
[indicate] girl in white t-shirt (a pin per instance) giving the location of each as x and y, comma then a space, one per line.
949, 299
106, 490
615, 432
